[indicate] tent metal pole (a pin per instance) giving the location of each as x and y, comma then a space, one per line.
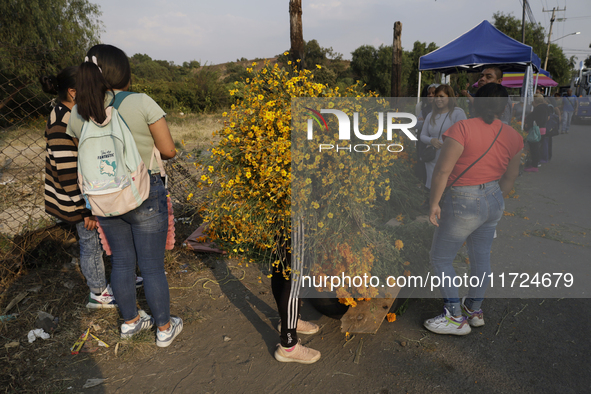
527, 74
536, 84
419, 92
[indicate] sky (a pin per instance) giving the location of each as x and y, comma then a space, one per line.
214, 32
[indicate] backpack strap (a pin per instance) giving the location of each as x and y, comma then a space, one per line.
119, 97
476, 161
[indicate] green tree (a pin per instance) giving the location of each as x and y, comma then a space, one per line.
373, 67
46, 35
40, 37
411, 72
537, 38
333, 69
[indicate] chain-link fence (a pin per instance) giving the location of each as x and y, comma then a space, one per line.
23, 113
22, 155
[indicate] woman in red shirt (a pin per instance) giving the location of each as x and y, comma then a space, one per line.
478, 165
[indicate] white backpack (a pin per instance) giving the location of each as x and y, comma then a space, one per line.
111, 174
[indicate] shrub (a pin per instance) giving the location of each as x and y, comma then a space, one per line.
250, 179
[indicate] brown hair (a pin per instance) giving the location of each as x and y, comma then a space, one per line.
451, 103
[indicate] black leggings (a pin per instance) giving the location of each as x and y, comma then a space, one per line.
534, 153
287, 305
286, 290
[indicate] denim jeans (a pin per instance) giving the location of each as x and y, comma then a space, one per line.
140, 235
566, 120
468, 214
91, 258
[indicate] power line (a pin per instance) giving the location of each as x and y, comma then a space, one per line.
530, 14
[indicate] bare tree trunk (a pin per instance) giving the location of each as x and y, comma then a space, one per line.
396, 79
296, 33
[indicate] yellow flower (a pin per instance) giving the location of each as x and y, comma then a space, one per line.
398, 244
189, 196
320, 224
391, 317
318, 66
330, 215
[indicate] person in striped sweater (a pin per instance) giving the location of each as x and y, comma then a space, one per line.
63, 199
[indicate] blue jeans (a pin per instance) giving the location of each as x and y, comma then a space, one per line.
468, 214
140, 235
91, 259
566, 120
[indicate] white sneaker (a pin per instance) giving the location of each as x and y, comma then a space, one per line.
297, 354
447, 324
165, 338
104, 300
475, 318
145, 322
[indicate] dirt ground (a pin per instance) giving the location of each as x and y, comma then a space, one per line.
528, 345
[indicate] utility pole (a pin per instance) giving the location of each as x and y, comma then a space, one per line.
296, 34
550, 33
523, 22
396, 80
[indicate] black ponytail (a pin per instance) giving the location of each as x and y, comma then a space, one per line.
111, 71
59, 85
491, 100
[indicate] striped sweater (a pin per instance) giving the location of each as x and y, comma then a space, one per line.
62, 195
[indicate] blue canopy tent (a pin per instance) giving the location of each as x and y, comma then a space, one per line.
478, 48
481, 47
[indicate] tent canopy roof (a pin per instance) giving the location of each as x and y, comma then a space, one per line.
515, 80
481, 47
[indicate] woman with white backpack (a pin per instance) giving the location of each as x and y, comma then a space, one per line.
140, 234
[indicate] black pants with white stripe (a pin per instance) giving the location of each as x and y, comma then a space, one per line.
288, 307
286, 289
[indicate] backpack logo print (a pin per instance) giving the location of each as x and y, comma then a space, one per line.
108, 168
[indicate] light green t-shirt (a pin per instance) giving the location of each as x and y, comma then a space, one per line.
138, 110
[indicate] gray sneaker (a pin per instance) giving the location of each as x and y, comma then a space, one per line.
145, 322
165, 338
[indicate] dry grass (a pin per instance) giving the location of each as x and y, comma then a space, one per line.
194, 132
53, 284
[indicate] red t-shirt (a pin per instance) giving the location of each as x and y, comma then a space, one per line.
476, 136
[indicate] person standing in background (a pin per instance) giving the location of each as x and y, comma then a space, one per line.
140, 234
63, 199
444, 115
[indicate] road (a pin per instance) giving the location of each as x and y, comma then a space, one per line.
528, 345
